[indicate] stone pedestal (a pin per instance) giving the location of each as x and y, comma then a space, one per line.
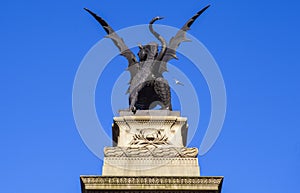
150, 123
149, 153
150, 143
151, 167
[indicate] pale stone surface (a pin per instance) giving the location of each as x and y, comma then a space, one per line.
173, 127
156, 152
150, 143
97, 184
149, 155
150, 167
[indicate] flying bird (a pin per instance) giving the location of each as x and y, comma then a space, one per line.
178, 82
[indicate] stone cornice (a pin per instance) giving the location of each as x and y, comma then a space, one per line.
175, 184
150, 180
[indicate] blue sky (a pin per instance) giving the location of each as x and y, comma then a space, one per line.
256, 44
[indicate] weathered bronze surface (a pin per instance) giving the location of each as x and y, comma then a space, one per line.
148, 87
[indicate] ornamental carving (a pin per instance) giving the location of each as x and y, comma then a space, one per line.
163, 152
149, 137
152, 180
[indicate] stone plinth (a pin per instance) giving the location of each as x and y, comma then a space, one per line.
98, 184
149, 154
150, 123
131, 166
148, 143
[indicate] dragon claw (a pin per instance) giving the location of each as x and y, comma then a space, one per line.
133, 109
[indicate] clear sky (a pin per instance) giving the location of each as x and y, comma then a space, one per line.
256, 44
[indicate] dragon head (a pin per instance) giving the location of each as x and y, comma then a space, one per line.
148, 52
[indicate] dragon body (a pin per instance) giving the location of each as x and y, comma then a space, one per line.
148, 87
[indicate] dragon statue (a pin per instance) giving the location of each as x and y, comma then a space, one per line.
148, 87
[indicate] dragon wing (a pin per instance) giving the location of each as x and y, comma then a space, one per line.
119, 42
175, 41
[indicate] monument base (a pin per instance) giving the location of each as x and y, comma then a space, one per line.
150, 166
99, 184
149, 154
